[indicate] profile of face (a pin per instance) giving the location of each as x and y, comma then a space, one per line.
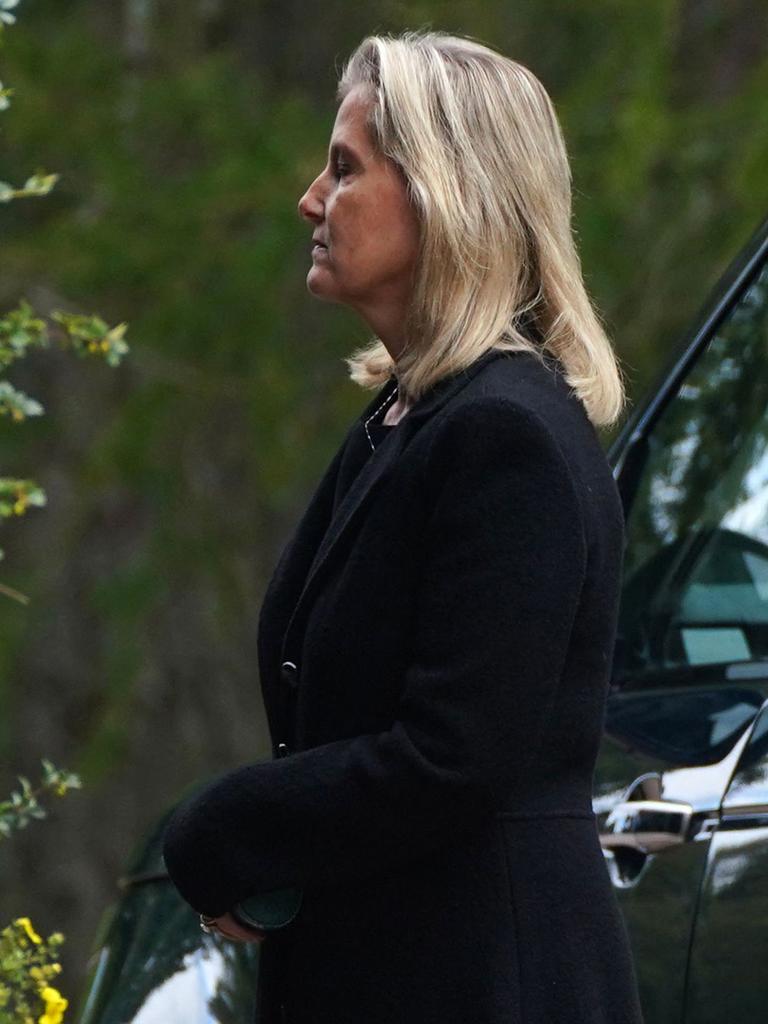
366, 232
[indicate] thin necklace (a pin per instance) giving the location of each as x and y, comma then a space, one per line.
387, 401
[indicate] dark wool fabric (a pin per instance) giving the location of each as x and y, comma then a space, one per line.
450, 602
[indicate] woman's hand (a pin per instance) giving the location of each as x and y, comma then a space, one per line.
227, 926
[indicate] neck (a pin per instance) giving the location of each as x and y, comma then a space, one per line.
395, 412
387, 321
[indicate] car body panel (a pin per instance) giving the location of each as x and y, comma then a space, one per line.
730, 946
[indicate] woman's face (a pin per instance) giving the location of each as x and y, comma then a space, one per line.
365, 239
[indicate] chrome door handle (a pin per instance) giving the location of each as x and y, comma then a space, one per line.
647, 826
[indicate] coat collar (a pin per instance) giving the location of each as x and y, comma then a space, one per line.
437, 395
380, 462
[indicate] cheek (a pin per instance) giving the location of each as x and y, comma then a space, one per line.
374, 235
408, 232
399, 224
395, 242
349, 220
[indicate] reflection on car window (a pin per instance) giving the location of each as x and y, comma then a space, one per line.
696, 564
695, 726
750, 780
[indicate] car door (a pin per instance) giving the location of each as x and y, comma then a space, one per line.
690, 673
151, 962
730, 936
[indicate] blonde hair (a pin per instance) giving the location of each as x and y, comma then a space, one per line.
477, 139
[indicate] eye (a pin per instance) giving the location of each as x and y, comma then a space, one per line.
341, 169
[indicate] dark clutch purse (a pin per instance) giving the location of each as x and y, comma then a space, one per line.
270, 911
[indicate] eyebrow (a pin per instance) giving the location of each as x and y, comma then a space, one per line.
342, 149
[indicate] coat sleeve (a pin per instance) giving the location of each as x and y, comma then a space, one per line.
504, 563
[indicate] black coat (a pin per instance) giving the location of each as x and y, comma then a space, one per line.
449, 600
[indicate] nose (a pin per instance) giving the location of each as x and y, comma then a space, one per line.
311, 205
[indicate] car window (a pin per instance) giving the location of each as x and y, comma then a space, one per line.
749, 786
695, 591
693, 726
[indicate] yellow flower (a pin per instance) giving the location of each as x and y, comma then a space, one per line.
55, 1005
26, 924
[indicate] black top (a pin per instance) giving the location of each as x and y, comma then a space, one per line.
378, 431
356, 454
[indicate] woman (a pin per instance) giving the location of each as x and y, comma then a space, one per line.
435, 643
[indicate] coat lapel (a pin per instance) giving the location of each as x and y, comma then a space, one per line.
374, 472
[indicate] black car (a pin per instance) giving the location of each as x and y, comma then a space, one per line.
681, 785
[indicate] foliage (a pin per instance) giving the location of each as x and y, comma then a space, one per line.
21, 330
28, 966
39, 184
6, 18
24, 803
28, 963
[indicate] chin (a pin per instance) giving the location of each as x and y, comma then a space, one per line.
321, 288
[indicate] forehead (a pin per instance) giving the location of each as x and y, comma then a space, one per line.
350, 125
